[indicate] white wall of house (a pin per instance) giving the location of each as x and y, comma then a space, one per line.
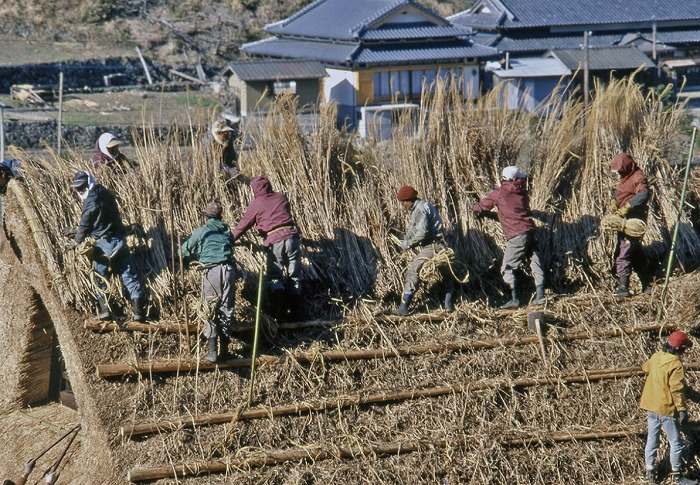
471, 81
341, 87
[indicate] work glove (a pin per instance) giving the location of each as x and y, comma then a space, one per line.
612, 206
624, 210
71, 244
69, 231
50, 478
405, 245
28, 467
682, 418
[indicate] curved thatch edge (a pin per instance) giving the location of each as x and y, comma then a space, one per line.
29, 276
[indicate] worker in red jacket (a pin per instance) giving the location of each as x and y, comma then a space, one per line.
515, 216
630, 200
271, 213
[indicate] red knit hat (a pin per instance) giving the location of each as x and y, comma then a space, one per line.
679, 340
407, 193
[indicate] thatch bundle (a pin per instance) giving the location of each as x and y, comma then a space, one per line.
630, 227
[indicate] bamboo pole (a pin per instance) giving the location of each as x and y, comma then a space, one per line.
174, 328
591, 375
255, 338
2, 132
672, 253
125, 369
320, 452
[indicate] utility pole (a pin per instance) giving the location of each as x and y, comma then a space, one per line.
60, 113
585, 70
2, 132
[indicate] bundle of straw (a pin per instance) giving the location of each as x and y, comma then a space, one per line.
630, 227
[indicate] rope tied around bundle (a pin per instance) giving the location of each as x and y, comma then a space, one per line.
442, 258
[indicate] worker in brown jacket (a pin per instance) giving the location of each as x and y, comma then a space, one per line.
630, 200
663, 398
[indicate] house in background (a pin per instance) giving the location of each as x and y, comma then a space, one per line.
529, 81
606, 62
378, 54
256, 83
665, 30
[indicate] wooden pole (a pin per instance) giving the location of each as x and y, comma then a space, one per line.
154, 328
672, 252
320, 452
585, 70
255, 338
124, 369
591, 375
60, 114
145, 66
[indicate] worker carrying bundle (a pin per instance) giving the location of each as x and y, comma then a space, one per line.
630, 203
425, 234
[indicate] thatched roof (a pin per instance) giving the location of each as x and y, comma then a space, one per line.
478, 407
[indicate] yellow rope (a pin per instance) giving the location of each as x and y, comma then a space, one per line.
444, 257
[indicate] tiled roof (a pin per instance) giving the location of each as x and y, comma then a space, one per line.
605, 58
424, 30
420, 52
277, 69
533, 67
377, 53
342, 19
543, 13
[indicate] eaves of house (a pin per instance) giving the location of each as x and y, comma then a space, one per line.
604, 59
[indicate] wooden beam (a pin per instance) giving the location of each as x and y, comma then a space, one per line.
319, 452
187, 77
591, 375
123, 369
97, 326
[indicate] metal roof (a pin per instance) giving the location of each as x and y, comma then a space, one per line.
604, 58
375, 53
528, 67
547, 13
327, 52
546, 43
277, 70
344, 19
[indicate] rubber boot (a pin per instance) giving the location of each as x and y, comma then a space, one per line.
104, 312
449, 305
679, 479
211, 356
539, 296
224, 342
646, 285
623, 287
514, 302
278, 304
138, 308
402, 310
653, 476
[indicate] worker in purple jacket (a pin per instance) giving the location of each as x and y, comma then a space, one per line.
271, 214
515, 216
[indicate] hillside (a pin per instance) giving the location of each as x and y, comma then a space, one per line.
168, 31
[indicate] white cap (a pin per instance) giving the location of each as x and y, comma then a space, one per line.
512, 173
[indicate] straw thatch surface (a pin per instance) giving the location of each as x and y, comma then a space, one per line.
343, 198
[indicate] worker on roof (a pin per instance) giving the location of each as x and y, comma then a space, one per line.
101, 220
212, 246
424, 233
271, 213
630, 200
664, 400
514, 214
9, 169
108, 154
222, 145
22, 479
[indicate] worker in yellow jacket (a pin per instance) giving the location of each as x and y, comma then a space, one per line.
663, 398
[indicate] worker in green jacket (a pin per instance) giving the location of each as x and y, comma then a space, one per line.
663, 398
212, 246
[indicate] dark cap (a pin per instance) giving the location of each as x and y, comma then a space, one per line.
80, 181
213, 209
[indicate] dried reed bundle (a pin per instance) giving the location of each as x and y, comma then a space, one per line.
630, 227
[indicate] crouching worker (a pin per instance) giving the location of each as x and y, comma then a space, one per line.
425, 234
515, 216
664, 398
101, 220
271, 213
212, 246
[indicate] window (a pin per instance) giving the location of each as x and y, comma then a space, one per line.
410, 83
